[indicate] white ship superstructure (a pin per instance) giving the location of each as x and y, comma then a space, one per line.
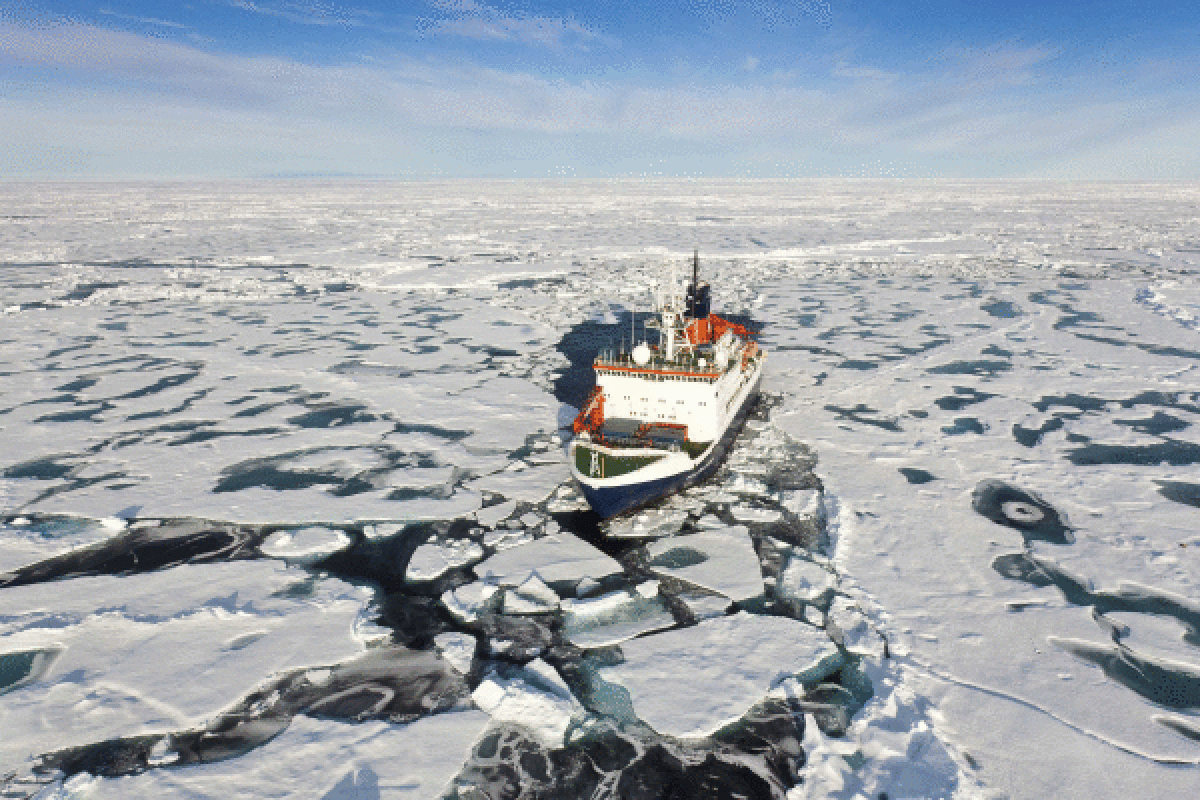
663, 415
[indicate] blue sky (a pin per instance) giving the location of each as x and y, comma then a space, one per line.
710, 88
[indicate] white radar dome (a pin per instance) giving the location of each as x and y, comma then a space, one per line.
641, 355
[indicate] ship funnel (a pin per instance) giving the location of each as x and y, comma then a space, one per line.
699, 297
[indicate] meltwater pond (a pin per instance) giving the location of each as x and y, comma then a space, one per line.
285, 509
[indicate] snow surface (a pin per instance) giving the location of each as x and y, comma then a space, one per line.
717, 669
338, 361
722, 560
317, 759
557, 557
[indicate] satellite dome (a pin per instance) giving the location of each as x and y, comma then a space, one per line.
641, 355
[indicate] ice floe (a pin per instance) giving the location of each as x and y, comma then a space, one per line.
555, 557
614, 617
126, 645
304, 545
722, 560
533, 696
433, 559
719, 668
317, 758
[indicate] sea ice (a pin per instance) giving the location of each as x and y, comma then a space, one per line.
434, 558
305, 545
338, 358
490, 516
802, 502
719, 668
504, 538
532, 596
848, 626
318, 758
555, 557
466, 602
614, 617
647, 523
120, 670
533, 696
804, 580
722, 560
458, 649
529, 484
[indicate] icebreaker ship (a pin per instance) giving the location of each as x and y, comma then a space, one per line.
662, 416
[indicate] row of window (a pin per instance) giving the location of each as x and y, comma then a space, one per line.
655, 377
663, 400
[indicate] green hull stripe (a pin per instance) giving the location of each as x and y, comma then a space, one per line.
609, 466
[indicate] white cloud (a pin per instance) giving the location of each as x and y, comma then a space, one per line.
475, 20
305, 13
164, 23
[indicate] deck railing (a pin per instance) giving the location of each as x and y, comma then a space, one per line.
684, 363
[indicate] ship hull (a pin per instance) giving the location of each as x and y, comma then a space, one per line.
611, 500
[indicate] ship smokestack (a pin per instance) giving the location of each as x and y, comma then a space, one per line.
699, 297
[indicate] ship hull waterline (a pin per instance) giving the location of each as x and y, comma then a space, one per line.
609, 501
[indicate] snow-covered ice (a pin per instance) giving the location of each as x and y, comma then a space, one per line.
318, 758
556, 557
612, 618
533, 696
722, 560
247, 429
718, 669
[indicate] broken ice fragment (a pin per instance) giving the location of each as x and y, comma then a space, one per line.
716, 670
802, 502
557, 557
531, 484
24, 667
848, 626
304, 546
458, 649
531, 597
702, 603
383, 530
435, 558
491, 515
533, 696
614, 617
748, 513
804, 581
466, 602
647, 524
586, 586
504, 538
648, 588
721, 560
